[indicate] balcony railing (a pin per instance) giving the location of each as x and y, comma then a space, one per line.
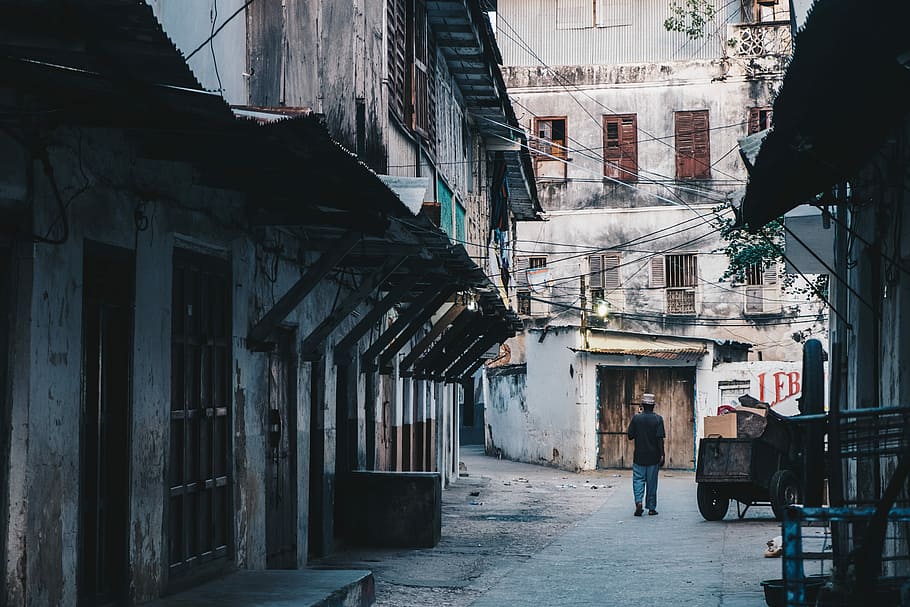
761, 40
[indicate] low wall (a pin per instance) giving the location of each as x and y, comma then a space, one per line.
394, 509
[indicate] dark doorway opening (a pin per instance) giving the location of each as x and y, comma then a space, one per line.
281, 480
108, 281
315, 524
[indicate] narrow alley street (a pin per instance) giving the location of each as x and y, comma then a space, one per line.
539, 536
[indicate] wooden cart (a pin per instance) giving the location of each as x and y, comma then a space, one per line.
752, 471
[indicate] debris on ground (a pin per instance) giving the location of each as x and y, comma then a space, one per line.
474, 493
775, 547
476, 503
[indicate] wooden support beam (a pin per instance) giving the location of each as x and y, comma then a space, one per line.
425, 342
344, 346
258, 335
459, 329
475, 333
468, 373
411, 319
471, 357
310, 346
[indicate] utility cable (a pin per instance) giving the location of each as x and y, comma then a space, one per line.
217, 31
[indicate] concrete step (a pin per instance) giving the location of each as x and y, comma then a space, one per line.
280, 588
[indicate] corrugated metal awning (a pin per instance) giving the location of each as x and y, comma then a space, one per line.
681, 354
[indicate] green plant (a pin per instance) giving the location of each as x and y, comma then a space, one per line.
689, 17
765, 247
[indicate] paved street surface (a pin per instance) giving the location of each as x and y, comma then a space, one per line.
539, 536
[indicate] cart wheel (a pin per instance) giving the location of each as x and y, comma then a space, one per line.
784, 490
712, 505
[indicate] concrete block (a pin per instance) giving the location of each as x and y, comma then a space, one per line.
393, 509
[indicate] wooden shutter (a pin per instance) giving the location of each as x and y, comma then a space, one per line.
754, 120
612, 277
693, 149
521, 272
621, 147
754, 300
421, 91
397, 56
759, 119
769, 275
574, 14
658, 272
596, 276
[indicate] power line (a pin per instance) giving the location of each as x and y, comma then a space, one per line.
521, 42
217, 31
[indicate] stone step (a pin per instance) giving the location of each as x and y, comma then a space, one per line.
280, 588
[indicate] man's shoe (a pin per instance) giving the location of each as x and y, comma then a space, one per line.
652, 512
638, 510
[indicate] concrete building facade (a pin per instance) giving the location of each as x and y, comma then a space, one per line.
634, 131
209, 291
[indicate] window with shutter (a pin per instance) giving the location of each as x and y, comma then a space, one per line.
612, 277
521, 272
621, 147
574, 14
550, 139
693, 147
759, 119
770, 274
524, 302
612, 13
596, 279
397, 57
658, 274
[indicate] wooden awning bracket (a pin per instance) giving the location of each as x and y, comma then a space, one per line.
257, 338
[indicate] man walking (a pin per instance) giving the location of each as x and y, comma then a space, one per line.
647, 430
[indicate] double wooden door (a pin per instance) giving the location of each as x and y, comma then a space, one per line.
620, 389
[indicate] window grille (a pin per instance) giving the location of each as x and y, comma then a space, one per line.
680, 301
199, 464
681, 270
524, 303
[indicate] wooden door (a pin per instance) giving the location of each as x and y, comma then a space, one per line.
281, 485
673, 389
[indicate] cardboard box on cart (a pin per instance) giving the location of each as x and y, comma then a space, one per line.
720, 426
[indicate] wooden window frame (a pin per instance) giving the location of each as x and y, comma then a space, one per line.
552, 148
621, 158
411, 58
523, 302
536, 262
759, 119
692, 144
681, 281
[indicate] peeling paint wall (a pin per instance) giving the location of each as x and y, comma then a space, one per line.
542, 412
716, 299
41, 543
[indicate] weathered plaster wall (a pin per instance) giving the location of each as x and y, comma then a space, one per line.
653, 92
716, 299
542, 412
100, 174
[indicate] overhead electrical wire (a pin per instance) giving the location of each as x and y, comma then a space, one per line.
522, 43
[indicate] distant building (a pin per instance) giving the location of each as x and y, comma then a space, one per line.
635, 133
